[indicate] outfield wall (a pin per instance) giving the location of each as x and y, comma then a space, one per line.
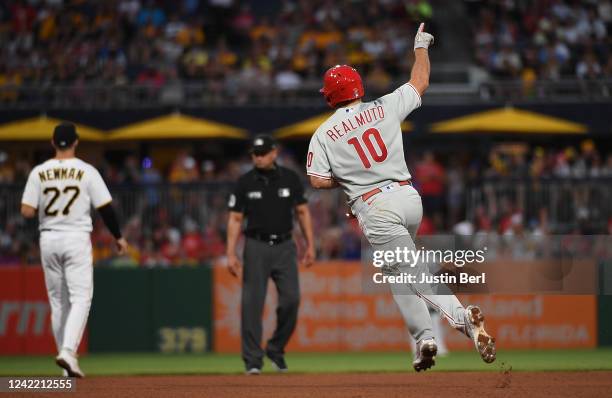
190, 309
336, 315
134, 309
157, 309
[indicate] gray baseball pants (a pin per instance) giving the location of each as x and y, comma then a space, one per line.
390, 219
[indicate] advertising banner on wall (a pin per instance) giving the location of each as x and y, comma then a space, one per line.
25, 315
337, 315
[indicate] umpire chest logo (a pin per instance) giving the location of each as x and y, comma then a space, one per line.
254, 195
284, 193
232, 200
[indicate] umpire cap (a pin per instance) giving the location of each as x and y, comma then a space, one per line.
64, 135
262, 144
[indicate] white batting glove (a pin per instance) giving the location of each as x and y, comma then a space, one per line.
423, 39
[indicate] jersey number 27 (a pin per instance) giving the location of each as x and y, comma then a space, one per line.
366, 138
56, 193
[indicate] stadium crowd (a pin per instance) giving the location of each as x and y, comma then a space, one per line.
231, 45
244, 49
192, 229
542, 40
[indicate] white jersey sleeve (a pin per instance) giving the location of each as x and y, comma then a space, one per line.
317, 162
97, 189
31, 193
403, 100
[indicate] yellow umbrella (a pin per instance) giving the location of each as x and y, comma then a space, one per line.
509, 120
41, 128
176, 126
307, 127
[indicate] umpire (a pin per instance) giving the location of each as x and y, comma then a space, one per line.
268, 196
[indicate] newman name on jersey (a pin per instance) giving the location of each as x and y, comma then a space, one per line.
61, 173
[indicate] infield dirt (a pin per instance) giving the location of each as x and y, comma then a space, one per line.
387, 385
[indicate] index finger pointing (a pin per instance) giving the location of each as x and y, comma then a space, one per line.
421, 27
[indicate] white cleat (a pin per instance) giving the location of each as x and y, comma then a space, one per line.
68, 361
425, 355
484, 343
253, 372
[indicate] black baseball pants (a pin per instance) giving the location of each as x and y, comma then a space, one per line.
261, 262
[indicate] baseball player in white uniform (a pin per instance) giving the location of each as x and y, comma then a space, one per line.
61, 191
360, 149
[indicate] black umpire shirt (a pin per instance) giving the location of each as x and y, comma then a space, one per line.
267, 199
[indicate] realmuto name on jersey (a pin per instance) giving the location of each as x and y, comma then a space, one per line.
61, 173
366, 116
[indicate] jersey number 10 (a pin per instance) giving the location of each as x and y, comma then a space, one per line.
367, 140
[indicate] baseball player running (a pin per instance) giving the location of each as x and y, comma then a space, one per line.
62, 191
360, 149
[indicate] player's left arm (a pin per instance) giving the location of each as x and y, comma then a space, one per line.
419, 77
102, 201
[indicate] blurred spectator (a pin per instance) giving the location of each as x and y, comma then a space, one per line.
130, 174
588, 67
287, 80
430, 178
378, 80
7, 173
184, 169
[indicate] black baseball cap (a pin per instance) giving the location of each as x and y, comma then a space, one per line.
64, 135
262, 144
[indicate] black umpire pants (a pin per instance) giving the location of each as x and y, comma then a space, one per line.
261, 262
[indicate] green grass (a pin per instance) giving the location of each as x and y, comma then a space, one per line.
143, 364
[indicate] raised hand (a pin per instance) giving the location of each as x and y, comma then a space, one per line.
423, 39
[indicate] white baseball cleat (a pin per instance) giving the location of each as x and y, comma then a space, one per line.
68, 361
253, 371
425, 355
485, 344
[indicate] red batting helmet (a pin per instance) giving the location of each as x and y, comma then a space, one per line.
340, 84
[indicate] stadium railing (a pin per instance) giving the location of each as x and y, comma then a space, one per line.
569, 203
229, 92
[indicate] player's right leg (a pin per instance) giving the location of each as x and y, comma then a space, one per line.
55, 282
439, 332
406, 203
470, 320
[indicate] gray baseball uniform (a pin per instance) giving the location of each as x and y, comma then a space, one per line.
361, 147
